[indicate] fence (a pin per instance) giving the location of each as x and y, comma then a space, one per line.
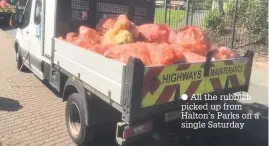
238, 24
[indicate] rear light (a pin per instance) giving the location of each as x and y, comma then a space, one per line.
129, 132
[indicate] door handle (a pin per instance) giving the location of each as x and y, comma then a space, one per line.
27, 32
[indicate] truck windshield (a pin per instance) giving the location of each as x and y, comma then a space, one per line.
22, 3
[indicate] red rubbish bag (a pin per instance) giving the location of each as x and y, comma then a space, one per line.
99, 48
155, 33
123, 52
172, 36
88, 34
122, 23
71, 37
161, 54
194, 40
190, 57
83, 43
3, 4
224, 53
178, 50
105, 24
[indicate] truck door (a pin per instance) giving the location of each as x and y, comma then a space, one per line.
24, 30
36, 29
36, 35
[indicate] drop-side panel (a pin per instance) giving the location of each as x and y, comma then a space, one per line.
103, 74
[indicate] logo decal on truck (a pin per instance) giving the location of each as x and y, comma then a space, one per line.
181, 76
228, 70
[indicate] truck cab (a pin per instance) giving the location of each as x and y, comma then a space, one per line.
28, 37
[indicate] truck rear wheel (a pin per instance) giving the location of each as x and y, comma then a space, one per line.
76, 122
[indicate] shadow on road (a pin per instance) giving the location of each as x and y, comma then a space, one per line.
7, 104
254, 132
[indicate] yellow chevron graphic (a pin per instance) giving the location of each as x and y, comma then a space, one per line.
185, 79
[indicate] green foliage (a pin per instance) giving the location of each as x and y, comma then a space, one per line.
214, 20
200, 4
173, 16
253, 15
228, 6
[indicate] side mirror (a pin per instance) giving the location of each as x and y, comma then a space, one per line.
16, 20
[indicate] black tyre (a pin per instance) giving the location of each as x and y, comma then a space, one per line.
20, 64
76, 122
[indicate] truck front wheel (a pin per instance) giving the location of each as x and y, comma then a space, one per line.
75, 120
20, 65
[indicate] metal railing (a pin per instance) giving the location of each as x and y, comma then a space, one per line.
238, 24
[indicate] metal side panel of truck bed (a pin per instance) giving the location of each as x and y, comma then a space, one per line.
8, 10
103, 74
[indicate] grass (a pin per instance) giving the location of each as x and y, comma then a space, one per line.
174, 17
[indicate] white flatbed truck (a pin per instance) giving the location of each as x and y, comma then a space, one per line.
138, 102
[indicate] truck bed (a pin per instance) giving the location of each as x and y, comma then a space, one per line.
144, 91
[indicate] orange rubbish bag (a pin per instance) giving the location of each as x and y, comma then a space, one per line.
224, 53
105, 24
99, 48
155, 33
123, 52
178, 50
71, 37
122, 23
190, 57
83, 44
194, 40
88, 34
161, 54
172, 36
3, 4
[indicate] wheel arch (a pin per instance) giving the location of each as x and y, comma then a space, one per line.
71, 87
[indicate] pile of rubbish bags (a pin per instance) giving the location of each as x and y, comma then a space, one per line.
154, 44
4, 4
